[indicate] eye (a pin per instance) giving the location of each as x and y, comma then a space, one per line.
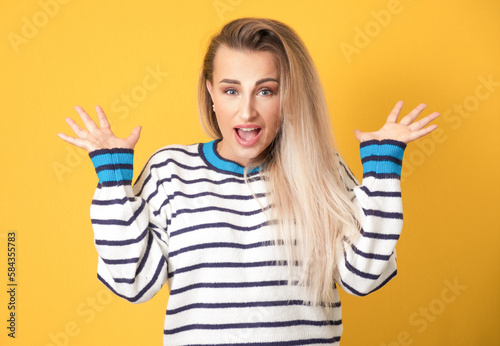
265, 92
230, 92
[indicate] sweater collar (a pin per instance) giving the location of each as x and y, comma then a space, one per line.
213, 158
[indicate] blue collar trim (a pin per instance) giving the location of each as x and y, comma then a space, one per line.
213, 157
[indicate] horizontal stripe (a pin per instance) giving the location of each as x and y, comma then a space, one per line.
381, 158
208, 209
113, 164
112, 167
140, 267
370, 255
221, 245
163, 164
379, 213
380, 193
124, 242
382, 148
358, 272
124, 280
227, 265
213, 194
175, 177
361, 294
141, 293
164, 150
116, 201
169, 198
111, 157
330, 341
103, 151
121, 222
180, 150
382, 176
244, 305
121, 261
382, 167
252, 325
114, 183
230, 285
217, 225
383, 283
374, 235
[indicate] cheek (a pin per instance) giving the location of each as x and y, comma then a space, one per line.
224, 122
275, 118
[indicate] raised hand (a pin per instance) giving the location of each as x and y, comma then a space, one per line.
406, 130
93, 137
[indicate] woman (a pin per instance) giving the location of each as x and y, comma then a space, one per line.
254, 230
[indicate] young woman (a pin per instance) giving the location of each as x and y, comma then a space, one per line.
254, 230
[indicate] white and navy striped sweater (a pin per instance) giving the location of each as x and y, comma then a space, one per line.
190, 220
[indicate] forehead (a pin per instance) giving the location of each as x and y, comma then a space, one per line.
244, 64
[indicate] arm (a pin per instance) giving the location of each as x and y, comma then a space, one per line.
129, 226
130, 233
369, 261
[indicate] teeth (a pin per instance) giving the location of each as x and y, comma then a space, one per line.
248, 129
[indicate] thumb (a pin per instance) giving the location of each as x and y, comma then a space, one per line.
357, 134
134, 136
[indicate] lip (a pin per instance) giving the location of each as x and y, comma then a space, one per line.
250, 142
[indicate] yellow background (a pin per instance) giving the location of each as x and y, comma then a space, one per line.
370, 54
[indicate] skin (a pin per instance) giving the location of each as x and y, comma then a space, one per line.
245, 92
240, 97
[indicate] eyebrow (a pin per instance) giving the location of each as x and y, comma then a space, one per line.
260, 81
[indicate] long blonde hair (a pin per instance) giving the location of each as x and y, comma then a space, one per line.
306, 183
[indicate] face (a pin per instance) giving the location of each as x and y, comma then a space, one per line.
245, 93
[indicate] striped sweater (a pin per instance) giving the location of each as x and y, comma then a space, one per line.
191, 221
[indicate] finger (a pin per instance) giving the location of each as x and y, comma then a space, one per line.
424, 121
393, 116
87, 120
134, 136
407, 120
76, 128
423, 132
103, 120
75, 141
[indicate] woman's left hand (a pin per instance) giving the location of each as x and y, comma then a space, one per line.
406, 130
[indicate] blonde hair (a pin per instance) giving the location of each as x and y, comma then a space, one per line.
306, 183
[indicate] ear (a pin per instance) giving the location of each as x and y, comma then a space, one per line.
209, 87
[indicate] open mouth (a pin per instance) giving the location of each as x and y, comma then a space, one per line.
247, 136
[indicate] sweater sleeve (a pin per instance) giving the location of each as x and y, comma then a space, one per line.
129, 225
369, 261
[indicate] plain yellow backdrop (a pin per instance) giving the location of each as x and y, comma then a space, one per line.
140, 61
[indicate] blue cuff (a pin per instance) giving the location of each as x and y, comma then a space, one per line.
382, 158
113, 165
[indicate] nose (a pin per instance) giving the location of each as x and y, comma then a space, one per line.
247, 109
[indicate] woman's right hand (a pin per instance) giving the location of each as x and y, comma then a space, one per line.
93, 137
